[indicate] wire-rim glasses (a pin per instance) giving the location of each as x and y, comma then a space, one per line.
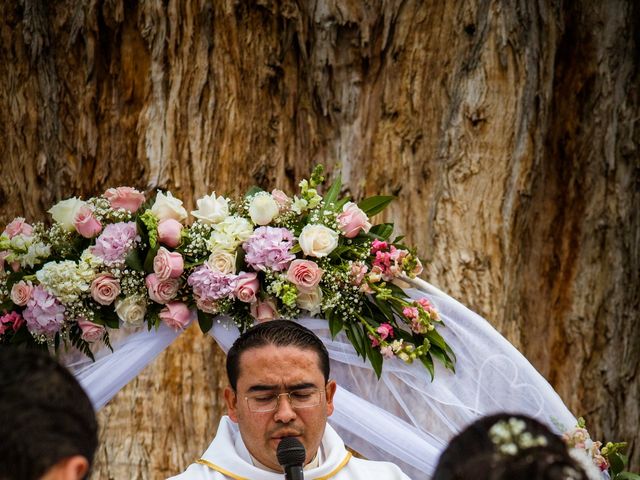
298, 399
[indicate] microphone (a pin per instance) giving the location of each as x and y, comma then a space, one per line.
291, 455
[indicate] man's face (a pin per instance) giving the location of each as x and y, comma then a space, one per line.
274, 369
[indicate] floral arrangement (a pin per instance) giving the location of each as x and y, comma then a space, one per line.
121, 259
610, 458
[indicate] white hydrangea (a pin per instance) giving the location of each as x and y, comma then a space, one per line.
67, 280
230, 233
35, 252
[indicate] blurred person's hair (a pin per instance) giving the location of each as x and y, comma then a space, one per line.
508, 446
45, 415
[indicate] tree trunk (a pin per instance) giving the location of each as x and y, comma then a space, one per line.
508, 131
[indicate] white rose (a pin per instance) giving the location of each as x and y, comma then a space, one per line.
167, 206
318, 240
132, 310
64, 212
212, 209
310, 300
222, 241
263, 208
222, 261
238, 227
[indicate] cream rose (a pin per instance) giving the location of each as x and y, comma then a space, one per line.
167, 206
310, 300
263, 208
318, 240
132, 310
65, 211
211, 209
222, 261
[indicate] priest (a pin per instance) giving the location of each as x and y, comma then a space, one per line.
279, 387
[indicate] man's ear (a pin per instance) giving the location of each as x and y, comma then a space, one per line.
330, 392
231, 399
70, 468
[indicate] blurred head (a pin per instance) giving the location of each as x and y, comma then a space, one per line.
279, 387
48, 428
508, 446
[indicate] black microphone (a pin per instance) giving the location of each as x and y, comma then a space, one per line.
291, 455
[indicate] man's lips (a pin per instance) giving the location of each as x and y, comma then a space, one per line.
285, 433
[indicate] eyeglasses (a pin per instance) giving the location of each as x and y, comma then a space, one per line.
268, 402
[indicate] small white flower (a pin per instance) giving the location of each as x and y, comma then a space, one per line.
263, 208
167, 206
211, 209
64, 212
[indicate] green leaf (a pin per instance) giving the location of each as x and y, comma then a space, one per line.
428, 363
382, 231
443, 357
148, 261
252, 191
375, 357
376, 204
627, 476
205, 320
335, 323
333, 192
384, 308
133, 261
616, 463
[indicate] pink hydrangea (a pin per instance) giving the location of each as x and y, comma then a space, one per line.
115, 242
211, 285
10, 321
44, 313
269, 247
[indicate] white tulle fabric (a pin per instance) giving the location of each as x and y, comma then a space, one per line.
404, 417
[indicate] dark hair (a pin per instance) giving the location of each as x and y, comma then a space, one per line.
473, 454
282, 333
45, 415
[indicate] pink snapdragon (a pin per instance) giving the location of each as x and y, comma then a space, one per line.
91, 332
11, 321
377, 246
304, 274
170, 232
282, 199
269, 247
125, 197
18, 226
385, 330
44, 313
210, 285
410, 312
168, 264
115, 242
176, 315
86, 223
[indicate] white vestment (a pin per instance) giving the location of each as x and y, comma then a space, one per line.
228, 458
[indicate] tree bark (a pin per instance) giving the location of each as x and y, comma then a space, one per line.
507, 129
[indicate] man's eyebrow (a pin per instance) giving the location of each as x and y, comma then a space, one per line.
275, 388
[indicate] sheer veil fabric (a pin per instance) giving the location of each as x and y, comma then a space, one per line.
404, 417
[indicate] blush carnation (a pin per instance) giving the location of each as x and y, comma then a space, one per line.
269, 247
44, 313
115, 242
210, 285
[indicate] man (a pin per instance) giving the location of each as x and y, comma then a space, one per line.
48, 428
279, 387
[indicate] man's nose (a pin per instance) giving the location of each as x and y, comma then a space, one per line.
284, 413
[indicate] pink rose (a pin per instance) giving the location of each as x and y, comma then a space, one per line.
176, 315
207, 305
352, 220
162, 291
91, 332
263, 311
86, 224
247, 286
168, 264
12, 320
21, 292
281, 198
304, 274
169, 232
125, 197
385, 330
105, 289
18, 227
